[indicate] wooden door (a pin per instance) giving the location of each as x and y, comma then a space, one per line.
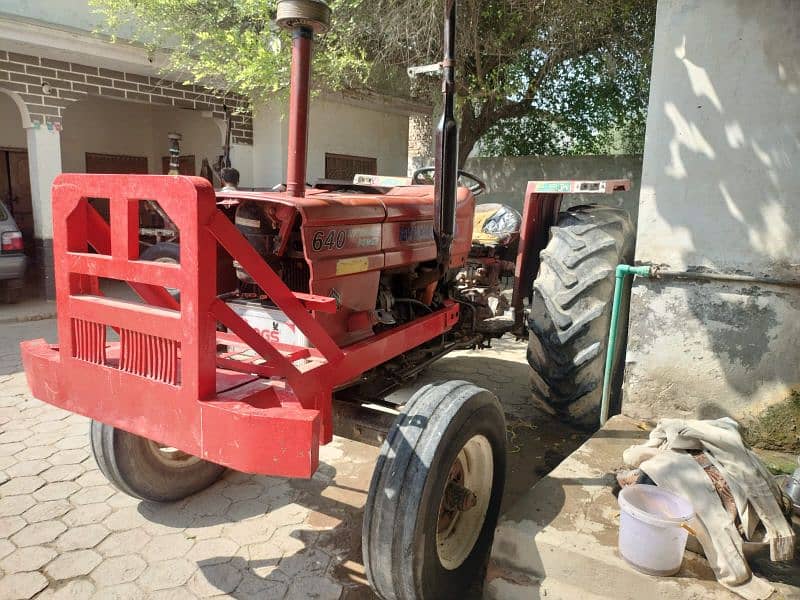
186, 165
113, 164
116, 164
21, 203
15, 190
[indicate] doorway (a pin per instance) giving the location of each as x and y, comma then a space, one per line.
15, 191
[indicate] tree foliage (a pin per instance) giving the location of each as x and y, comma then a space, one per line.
534, 76
581, 109
233, 45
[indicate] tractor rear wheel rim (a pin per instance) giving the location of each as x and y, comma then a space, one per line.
458, 528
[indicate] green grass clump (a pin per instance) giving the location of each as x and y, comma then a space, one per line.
777, 427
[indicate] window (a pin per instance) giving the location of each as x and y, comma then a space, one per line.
345, 167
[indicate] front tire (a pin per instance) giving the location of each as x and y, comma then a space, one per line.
164, 252
435, 494
146, 470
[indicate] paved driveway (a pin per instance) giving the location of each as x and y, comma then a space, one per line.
66, 533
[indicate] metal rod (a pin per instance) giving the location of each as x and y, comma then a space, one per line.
302, 41
446, 174
659, 273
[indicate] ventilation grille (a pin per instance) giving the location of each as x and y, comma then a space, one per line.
296, 275
149, 356
89, 341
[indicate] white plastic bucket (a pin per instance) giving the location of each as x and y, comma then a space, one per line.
651, 538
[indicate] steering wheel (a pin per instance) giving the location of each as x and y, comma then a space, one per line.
477, 188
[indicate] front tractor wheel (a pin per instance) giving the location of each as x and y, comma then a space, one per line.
571, 310
164, 252
144, 469
435, 494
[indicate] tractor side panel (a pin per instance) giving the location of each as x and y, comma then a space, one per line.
345, 261
408, 231
465, 214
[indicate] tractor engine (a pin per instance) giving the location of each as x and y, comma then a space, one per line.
490, 265
263, 232
373, 250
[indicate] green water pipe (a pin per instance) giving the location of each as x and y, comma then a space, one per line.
622, 272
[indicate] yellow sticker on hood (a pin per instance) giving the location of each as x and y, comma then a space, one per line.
348, 266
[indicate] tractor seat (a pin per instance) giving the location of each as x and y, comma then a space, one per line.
495, 225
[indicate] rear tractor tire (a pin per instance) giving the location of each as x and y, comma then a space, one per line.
435, 495
571, 311
146, 470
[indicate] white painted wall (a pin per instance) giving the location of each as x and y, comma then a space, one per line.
12, 135
73, 14
721, 191
507, 177
336, 127
340, 128
721, 184
269, 145
113, 127
242, 160
106, 127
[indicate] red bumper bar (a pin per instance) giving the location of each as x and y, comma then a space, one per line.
251, 426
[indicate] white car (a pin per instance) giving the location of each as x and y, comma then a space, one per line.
12, 258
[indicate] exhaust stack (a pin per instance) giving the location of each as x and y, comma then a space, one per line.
303, 18
446, 160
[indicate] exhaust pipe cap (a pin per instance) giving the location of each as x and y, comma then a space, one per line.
307, 14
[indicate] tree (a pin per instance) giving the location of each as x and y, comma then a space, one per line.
533, 75
605, 113
233, 45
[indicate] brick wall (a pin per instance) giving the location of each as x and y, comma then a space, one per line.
70, 82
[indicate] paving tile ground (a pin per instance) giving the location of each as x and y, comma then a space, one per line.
66, 533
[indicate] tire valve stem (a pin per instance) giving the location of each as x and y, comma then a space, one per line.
457, 497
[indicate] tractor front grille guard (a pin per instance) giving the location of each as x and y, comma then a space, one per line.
164, 378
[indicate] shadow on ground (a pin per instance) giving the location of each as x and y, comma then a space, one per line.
323, 516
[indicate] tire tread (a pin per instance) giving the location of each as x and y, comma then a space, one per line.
571, 308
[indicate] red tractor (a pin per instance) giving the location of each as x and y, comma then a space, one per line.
340, 296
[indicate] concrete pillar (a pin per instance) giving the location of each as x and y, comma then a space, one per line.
269, 145
44, 157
